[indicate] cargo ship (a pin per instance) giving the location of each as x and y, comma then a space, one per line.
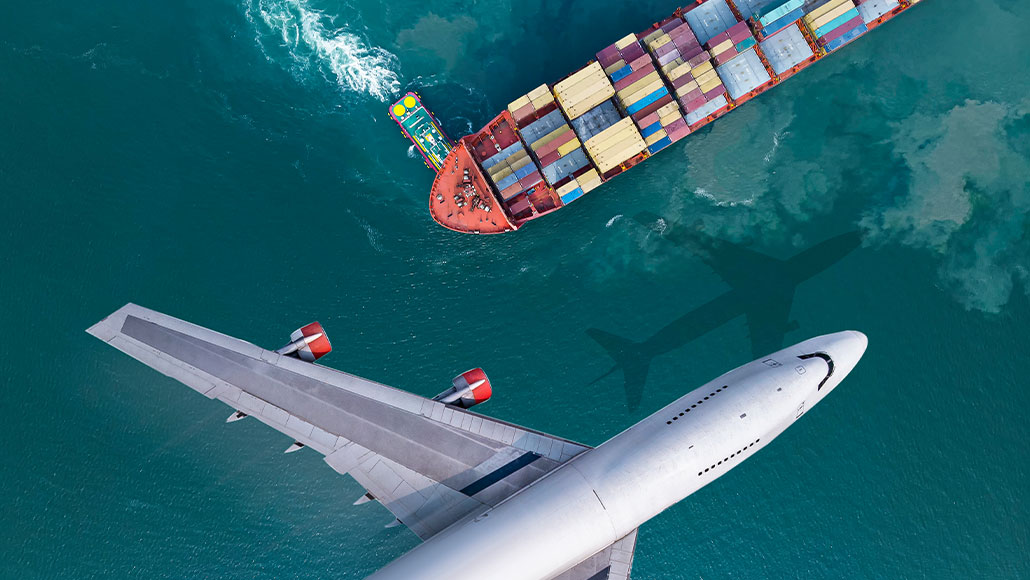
639, 96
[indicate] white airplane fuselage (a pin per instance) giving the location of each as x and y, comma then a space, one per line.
605, 493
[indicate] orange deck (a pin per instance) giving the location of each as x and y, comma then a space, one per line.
461, 198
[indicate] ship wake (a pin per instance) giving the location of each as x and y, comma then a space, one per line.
315, 43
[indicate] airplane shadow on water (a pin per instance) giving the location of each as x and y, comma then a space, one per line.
762, 290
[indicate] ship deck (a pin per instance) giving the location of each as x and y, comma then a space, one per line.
461, 198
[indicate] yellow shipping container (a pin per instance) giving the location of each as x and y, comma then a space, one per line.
611, 159
660, 42
568, 147
707, 76
541, 102
588, 101
687, 88
538, 92
711, 84
722, 47
679, 71
656, 137
614, 140
550, 137
567, 187
500, 171
703, 68
668, 109
518, 103
643, 92
647, 81
585, 86
672, 117
589, 180
522, 162
671, 66
824, 9
625, 41
614, 67
826, 18
597, 142
514, 159
592, 70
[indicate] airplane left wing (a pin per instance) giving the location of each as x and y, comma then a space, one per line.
429, 463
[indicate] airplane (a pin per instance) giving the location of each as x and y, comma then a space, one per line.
762, 289
491, 500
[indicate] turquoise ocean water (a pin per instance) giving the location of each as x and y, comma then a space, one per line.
231, 162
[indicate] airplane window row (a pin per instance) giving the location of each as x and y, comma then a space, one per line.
727, 459
701, 401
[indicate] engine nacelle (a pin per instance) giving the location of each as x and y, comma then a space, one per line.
308, 343
469, 389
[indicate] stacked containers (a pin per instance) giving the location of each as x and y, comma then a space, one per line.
835, 23
577, 186
512, 170
728, 44
639, 88
642, 92
615, 145
556, 146
532, 106
777, 16
744, 73
786, 49
583, 90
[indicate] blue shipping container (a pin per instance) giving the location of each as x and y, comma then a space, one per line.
780, 11
507, 182
784, 22
639, 105
529, 168
622, 73
659, 145
651, 129
572, 195
852, 35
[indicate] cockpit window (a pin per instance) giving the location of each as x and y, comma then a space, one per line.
829, 365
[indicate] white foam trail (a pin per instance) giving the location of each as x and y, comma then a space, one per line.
612, 221
339, 55
411, 152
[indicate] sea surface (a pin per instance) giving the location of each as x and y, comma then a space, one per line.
231, 162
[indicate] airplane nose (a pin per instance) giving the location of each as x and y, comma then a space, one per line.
846, 349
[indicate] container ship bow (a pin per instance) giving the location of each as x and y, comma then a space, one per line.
639, 96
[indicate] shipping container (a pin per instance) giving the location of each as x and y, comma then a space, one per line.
786, 49
710, 19
583, 90
642, 94
743, 74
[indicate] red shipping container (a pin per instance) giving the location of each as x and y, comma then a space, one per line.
665, 49
608, 56
649, 120
632, 52
524, 112
640, 61
679, 132
511, 190
633, 77
739, 32
725, 57
680, 122
719, 90
679, 82
665, 100
548, 158
694, 94
555, 144
695, 104
531, 180
700, 58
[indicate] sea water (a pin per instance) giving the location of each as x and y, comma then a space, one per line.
231, 162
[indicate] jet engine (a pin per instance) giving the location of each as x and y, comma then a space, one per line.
469, 389
307, 343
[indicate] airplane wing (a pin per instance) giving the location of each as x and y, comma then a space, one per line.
429, 463
611, 563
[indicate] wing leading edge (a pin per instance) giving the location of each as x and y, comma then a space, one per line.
429, 463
